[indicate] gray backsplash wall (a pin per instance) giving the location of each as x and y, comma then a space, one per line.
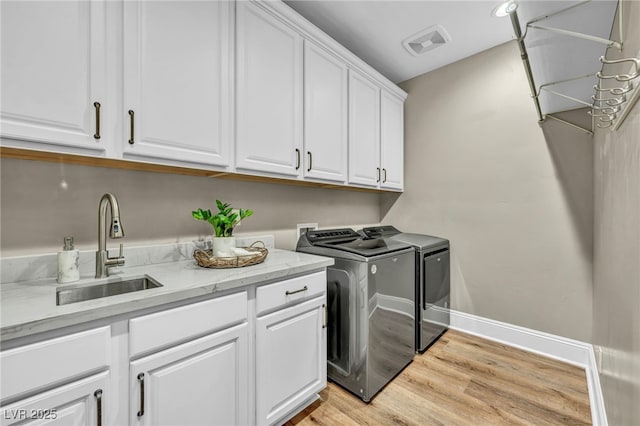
616, 306
515, 199
41, 202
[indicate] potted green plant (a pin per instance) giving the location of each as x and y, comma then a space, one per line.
223, 224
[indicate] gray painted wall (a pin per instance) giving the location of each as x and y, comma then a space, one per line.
42, 202
616, 307
515, 201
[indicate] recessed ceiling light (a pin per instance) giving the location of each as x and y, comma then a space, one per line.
504, 9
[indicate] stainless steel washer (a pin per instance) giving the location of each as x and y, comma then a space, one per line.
371, 308
432, 281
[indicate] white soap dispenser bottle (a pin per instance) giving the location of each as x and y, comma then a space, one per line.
68, 263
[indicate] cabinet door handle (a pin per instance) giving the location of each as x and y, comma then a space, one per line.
287, 293
310, 160
131, 119
297, 158
326, 315
384, 172
97, 107
98, 395
141, 381
378, 168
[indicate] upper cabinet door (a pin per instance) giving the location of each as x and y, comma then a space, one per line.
269, 92
325, 114
177, 80
53, 71
391, 141
364, 131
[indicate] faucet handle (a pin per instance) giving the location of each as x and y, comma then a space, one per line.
116, 261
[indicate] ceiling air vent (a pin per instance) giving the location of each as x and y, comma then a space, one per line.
426, 40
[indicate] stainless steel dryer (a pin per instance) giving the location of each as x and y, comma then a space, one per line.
432, 281
371, 309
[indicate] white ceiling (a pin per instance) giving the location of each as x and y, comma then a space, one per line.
374, 31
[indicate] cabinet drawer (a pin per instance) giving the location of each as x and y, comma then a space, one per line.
42, 364
164, 328
272, 296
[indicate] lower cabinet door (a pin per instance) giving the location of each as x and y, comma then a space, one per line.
201, 382
291, 359
80, 403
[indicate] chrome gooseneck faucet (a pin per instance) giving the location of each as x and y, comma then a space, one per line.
103, 261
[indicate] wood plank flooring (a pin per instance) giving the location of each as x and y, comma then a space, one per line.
464, 380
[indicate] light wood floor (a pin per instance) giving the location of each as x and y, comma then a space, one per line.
464, 380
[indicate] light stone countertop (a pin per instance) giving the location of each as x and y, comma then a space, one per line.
29, 307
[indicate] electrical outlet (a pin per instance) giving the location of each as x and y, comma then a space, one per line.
302, 228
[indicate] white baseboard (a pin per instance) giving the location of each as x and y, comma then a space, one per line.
560, 348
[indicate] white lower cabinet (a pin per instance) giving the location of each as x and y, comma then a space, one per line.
290, 354
80, 403
201, 382
58, 381
194, 364
188, 364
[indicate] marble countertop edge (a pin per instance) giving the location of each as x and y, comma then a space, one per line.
29, 308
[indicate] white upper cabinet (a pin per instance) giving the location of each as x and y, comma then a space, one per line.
364, 131
53, 72
236, 86
391, 141
325, 114
268, 92
178, 80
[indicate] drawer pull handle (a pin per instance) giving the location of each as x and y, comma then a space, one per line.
384, 172
131, 119
141, 381
98, 396
310, 160
288, 293
297, 158
378, 180
97, 106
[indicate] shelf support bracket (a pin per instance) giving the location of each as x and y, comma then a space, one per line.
604, 41
568, 123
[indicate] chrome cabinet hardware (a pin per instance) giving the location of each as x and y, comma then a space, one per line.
310, 160
297, 159
97, 133
288, 293
98, 395
378, 168
131, 119
384, 172
141, 382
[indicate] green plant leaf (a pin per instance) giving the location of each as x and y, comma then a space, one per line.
225, 220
